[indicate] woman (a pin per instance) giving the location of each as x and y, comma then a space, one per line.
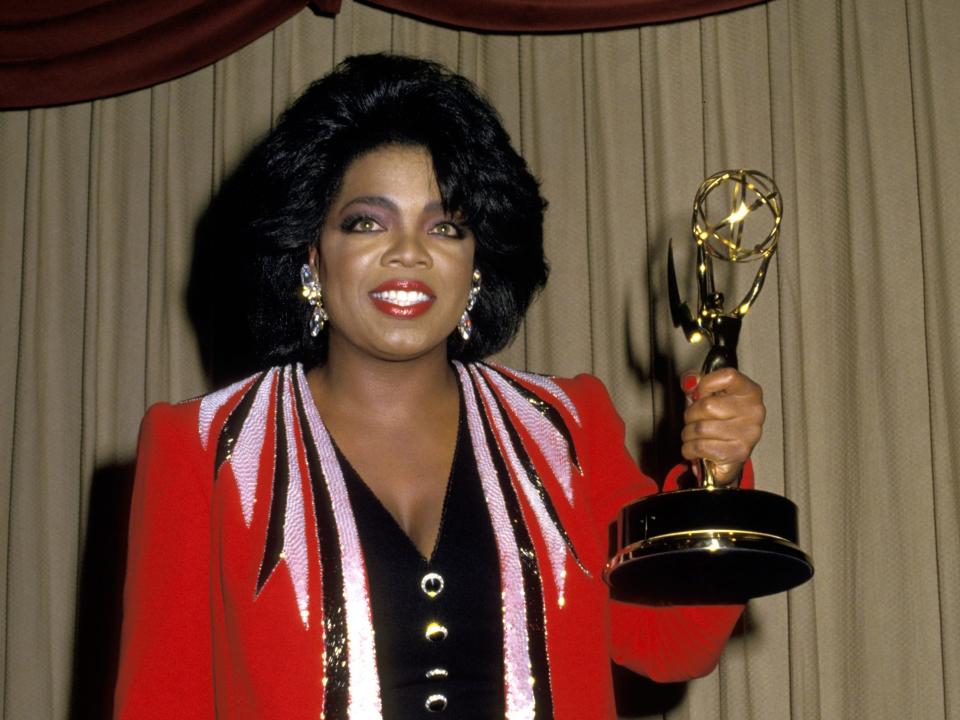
378, 525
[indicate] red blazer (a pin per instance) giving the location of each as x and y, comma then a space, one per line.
221, 621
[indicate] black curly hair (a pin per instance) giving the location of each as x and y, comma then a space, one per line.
366, 102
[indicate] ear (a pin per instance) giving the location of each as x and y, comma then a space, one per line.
313, 257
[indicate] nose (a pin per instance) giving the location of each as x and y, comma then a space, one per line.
408, 249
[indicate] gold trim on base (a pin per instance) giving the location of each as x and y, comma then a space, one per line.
724, 538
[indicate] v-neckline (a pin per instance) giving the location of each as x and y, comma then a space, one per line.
350, 470
388, 516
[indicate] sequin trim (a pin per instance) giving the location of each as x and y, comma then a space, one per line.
294, 527
540, 678
247, 451
556, 547
543, 382
212, 403
336, 676
555, 447
520, 702
351, 680
273, 543
548, 409
533, 475
233, 424
364, 692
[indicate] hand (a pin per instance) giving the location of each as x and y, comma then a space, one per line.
723, 421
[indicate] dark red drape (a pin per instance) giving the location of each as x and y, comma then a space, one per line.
556, 15
60, 51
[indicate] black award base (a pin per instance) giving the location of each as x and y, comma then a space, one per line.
705, 547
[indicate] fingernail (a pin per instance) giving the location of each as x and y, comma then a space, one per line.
688, 382
696, 395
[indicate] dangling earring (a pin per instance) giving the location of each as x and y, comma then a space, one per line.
310, 289
465, 326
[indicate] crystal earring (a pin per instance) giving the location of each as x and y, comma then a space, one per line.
310, 289
465, 326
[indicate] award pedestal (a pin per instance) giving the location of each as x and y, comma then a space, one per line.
706, 547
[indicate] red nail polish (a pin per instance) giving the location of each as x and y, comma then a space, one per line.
689, 382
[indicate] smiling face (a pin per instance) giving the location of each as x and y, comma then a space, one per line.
395, 268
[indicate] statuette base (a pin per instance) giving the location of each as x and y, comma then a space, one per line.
706, 547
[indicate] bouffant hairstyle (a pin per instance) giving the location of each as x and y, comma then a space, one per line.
366, 102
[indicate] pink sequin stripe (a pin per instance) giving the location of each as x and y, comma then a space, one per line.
544, 383
213, 402
516, 649
294, 526
364, 683
556, 548
248, 449
551, 443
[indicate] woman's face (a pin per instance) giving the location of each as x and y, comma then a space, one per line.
395, 268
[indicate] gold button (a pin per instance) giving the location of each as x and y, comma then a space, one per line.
437, 674
436, 632
436, 703
431, 584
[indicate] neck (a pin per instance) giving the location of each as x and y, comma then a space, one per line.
361, 383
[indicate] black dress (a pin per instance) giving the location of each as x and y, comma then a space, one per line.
437, 621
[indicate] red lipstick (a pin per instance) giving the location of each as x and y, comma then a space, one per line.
405, 299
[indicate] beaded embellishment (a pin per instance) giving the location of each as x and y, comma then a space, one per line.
306, 479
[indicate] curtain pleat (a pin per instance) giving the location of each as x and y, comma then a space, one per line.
109, 250
933, 47
864, 366
13, 173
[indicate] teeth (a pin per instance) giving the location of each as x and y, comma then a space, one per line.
403, 298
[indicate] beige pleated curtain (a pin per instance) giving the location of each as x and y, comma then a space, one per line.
854, 108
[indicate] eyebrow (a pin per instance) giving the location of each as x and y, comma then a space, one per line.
386, 203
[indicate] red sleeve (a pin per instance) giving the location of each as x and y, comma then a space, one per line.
166, 647
667, 644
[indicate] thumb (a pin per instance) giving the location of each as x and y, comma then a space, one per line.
725, 473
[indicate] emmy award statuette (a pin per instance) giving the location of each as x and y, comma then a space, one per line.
711, 544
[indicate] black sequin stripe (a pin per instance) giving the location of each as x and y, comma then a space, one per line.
235, 420
336, 669
531, 471
273, 546
545, 409
532, 580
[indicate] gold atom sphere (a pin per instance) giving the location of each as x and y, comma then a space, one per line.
736, 215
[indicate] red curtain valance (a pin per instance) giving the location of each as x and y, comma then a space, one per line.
60, 51
556, 15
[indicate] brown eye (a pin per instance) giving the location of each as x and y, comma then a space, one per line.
448, 229
360, 225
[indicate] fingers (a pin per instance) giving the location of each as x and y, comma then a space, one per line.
721, 431
723, 420
725, 379
725, 394
718, 452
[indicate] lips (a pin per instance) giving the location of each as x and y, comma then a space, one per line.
405, 299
